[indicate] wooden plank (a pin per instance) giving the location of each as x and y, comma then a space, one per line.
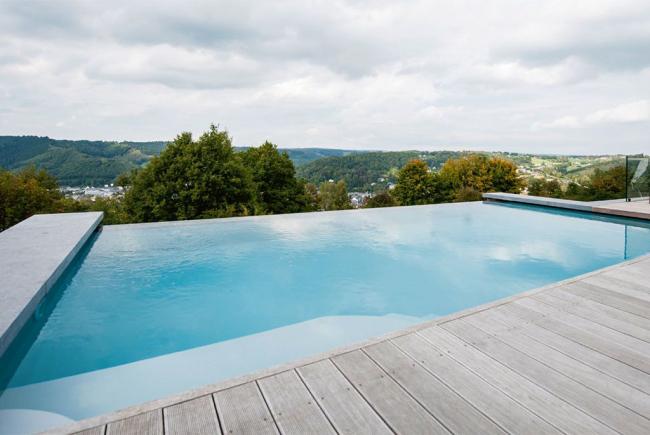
242, 410
147, 423
596, 315
609, 348
621, 371
619, 286
610, 298
602, 309
294, 409
99, 430
346, 408
196, 416
603, 409
604, 332
500, 408
458, 415
399, 410
588, 376
559, 413
636, 274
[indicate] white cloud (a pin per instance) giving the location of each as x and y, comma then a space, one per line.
344, 73
636, 111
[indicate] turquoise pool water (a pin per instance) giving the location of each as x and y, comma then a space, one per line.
150, 310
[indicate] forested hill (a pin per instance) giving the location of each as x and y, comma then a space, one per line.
371, 170
83, 162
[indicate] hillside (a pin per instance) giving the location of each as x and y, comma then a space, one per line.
371, 170
82, 162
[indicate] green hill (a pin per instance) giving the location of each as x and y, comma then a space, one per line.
361, 170
83, 162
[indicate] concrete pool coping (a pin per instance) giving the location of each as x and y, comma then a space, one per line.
33, 255
616, 207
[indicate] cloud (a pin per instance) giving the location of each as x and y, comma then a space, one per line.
344, 73
632, 112
637, 111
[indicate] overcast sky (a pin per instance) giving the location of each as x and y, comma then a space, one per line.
535, 76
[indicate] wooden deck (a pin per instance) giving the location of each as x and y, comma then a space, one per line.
573, 357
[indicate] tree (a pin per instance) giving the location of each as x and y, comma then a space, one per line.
313, 198
334, 196
277, 188
192, 179
382, 199
607, 184
26, 193
482, 174
417, 185
546, 188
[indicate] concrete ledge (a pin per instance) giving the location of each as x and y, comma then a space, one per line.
617, 207
33, 255
539, 200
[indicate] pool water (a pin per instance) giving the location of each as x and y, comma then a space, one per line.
151, 310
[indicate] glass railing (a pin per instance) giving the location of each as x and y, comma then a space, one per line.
637, 174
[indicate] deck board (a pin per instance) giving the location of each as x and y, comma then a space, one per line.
454, 412
530, 395
148, 423
594, 328
346, 408
608, 297
400, 411
605, 385
599, 309
570, 358
609, 348
196, 416
294, 409
606, 411
242, 410
610, 366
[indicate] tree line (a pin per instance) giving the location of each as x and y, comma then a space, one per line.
207, 178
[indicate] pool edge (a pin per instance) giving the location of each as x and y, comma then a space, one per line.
25, 255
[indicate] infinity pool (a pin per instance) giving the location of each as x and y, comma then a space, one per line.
151, 310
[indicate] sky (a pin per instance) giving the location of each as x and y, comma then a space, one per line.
529, 76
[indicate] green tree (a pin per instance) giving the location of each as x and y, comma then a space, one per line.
546, 188
277, 188
26, 193
382, 199
416, 184
192, 179
334, 196
607, 184
313, 197
482, 174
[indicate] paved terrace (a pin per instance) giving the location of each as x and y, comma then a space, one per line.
33, 254
573, 357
